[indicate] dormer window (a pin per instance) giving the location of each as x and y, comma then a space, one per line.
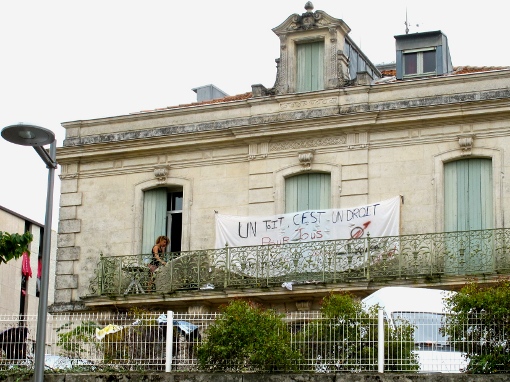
310, 66
316, 53
422, 54
420, 62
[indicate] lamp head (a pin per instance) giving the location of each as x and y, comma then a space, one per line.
28, 135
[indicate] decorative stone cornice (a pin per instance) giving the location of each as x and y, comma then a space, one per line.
317, 102
305, 143
311, 110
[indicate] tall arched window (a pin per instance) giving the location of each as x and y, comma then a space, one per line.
308, 192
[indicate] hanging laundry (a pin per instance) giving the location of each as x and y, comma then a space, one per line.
26, 270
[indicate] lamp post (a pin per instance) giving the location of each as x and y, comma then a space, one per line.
37, 137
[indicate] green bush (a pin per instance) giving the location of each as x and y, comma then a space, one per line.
345, 339
479, 325
74, 339
247, 338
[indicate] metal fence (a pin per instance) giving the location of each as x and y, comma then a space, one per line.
128, 342
472, 253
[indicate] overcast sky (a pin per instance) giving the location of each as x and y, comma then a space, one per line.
71, 60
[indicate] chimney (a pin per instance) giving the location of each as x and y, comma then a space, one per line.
209, 92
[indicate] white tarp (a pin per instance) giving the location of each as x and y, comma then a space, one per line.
377, 219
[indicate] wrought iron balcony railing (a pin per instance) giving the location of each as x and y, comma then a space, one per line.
473, 253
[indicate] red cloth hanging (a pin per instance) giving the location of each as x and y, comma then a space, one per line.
26, 270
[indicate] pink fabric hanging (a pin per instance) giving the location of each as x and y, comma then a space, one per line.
26, 270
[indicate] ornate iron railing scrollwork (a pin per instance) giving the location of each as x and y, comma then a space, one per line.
337, 261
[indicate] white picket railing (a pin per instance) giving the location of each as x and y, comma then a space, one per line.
107, 341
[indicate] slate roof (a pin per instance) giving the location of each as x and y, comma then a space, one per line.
238, 97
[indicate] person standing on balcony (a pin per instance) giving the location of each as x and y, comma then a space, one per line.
158, 258
157, 253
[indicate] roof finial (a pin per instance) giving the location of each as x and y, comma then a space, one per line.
406, 24
309, 6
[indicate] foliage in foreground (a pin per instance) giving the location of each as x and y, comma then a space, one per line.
479, 325
138, 341
345, 339
247, 338
12, 245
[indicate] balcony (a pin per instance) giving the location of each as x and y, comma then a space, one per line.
442, 260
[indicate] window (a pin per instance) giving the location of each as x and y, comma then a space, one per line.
310, 66
174, 220
162, 216
308, 192
419, 62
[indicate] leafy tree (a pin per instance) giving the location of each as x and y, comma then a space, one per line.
345, 338
247, 338
13, 245
479, 325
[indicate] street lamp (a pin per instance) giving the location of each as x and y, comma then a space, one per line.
37, 137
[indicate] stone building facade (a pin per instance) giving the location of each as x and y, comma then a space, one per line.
373, 136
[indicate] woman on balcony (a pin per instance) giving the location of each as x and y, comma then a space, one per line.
157, 253
158, 258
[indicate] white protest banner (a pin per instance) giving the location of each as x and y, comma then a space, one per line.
377, 219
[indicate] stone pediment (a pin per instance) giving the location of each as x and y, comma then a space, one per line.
308, 21
311, 27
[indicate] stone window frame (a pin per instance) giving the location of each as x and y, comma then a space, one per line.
285, 172
496, 156
331, 46
169, 182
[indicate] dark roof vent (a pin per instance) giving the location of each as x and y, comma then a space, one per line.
209, 92
422, 55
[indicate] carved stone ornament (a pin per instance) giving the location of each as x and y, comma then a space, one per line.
306, 158
160, 173
307, 20
258, 150
466, 144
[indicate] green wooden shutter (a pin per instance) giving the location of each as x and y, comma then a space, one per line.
310, 66
291, 194
468, 207
308, 192
487, 208
450, 197
468, 195
154, 217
